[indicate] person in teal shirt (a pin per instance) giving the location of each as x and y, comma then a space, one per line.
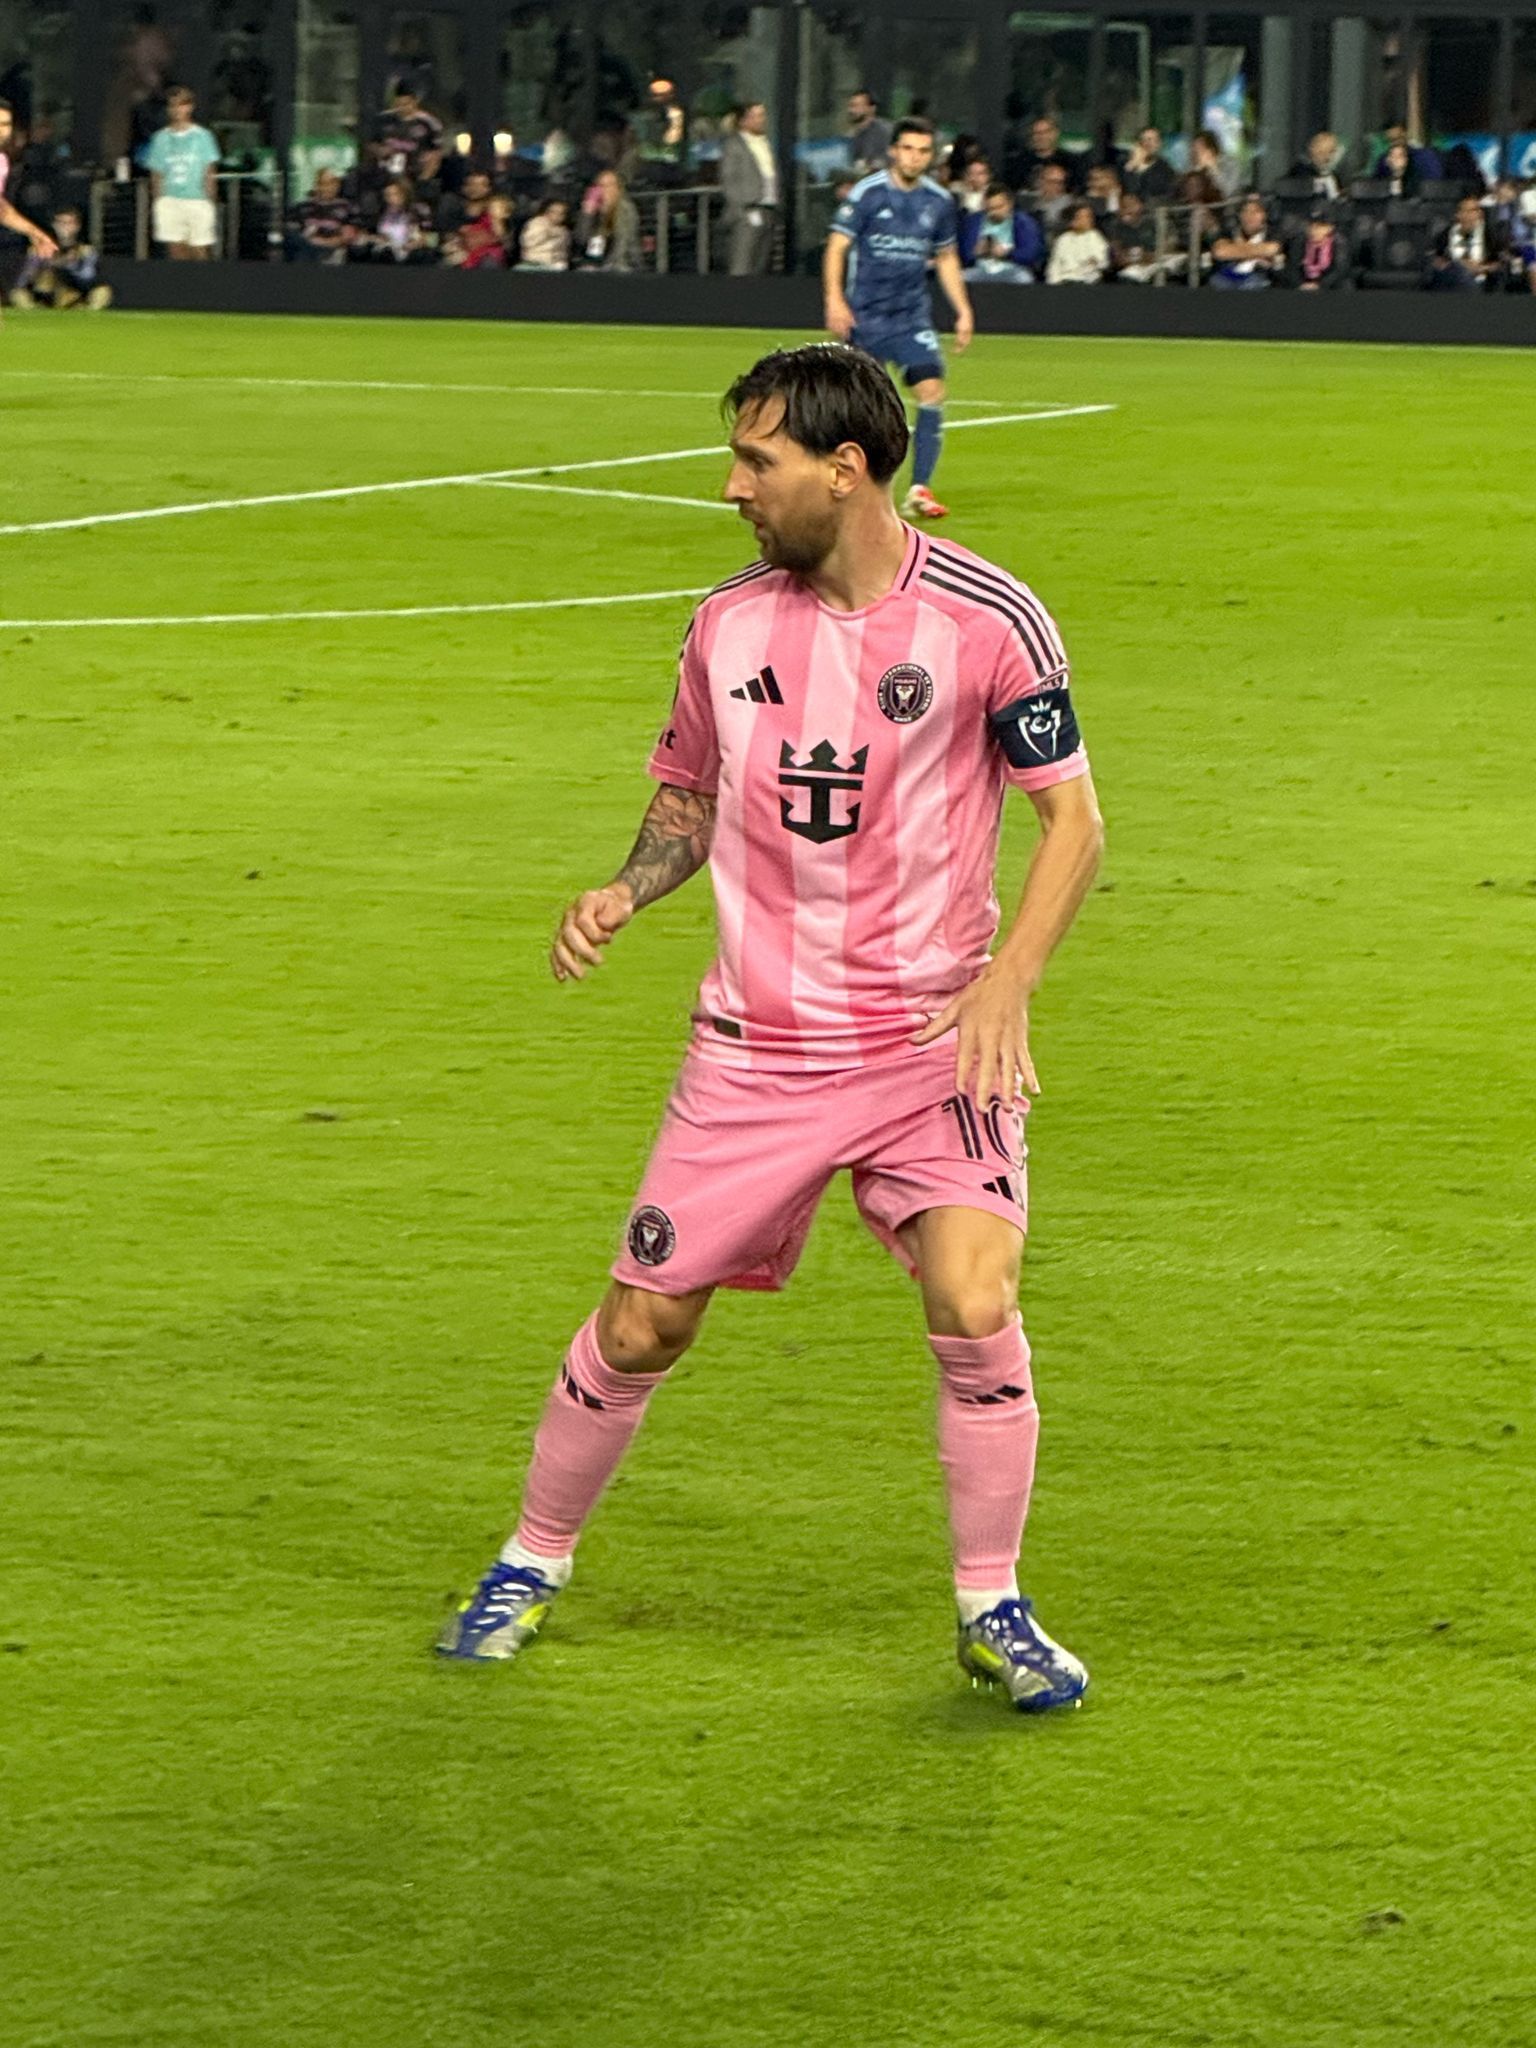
181, 159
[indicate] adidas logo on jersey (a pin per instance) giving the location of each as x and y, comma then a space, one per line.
762, 689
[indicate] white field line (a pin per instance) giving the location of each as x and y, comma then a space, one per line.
402, 611
423, 384
1008, 419
410, 483
478, 476
358, 384
596, 491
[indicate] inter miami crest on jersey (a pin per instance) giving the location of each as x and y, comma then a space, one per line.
652, 1238
904, 693
823, 777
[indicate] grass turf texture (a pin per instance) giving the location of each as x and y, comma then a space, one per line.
311, 1170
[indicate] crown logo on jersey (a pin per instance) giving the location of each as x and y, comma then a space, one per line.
822, 776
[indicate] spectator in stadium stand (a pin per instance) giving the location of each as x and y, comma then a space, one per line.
1080, 254
958, 158
1460, 165
1051, 199
869, 138
1198, 189
1247, 257
323, 227
608, 233
749, 178
468, 203
182, 160
1319, 260
479, 241
1321, 165
403, 135
1103, 191
70, 277
403, 231
970, 194
1004, 244
1470, 254
1132, 239
1044, 151
1205, 155
1425, 162
1399, 172
1512, 213
1146, 171
546, 243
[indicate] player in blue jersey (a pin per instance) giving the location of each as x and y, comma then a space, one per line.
874, 276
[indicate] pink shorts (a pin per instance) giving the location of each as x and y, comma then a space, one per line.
743, 1159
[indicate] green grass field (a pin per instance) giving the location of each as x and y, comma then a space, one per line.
310, 1170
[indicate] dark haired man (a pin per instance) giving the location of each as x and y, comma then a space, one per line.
874, 277
41, 243
869, 138
405, 136
849, 711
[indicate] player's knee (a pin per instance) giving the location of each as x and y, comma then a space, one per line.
931, 392
980, 1310
642, 1332
972, 1297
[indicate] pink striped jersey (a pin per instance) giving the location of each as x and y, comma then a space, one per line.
859, 761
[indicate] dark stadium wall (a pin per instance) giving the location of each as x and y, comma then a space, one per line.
793, 305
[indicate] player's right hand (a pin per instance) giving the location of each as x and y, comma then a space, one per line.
839, 318
44, 247
587, 926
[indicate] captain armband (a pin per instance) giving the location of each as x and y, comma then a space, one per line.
1040, 729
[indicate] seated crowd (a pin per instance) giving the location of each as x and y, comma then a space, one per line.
409, 201
1130, 217
1044, 216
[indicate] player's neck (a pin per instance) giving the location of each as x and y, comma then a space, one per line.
865, 560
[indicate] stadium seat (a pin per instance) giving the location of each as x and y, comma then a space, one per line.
1399, 249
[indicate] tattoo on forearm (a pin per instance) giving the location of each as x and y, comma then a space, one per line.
673, 843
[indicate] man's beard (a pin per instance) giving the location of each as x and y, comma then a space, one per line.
804, 550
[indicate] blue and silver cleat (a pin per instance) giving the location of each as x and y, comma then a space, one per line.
1006, 1646
505, 1612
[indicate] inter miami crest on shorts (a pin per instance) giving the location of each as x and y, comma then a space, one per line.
652, 1240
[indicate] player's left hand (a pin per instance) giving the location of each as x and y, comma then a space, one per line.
44, 247
992, 1059
965, 328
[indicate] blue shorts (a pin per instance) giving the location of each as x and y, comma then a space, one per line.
915, 354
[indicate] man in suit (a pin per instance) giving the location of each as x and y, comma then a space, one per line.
749, 178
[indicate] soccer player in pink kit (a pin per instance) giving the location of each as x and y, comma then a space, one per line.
849, 713
42, 243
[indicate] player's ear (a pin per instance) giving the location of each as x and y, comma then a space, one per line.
850, 466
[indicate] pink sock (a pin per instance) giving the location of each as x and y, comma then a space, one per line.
589, 1418
988, 1428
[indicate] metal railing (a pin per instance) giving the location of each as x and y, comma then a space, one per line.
119, 216
680, 229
